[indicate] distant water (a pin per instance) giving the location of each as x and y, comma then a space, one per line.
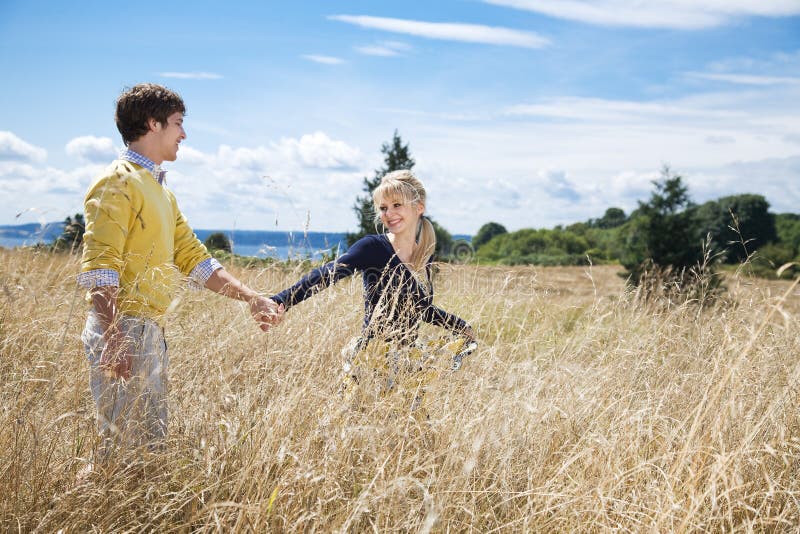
281, 245
259, 243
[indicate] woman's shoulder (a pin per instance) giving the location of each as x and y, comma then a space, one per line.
373, 241
371, 249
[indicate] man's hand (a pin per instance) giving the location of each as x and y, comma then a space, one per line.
116, 357
266, 312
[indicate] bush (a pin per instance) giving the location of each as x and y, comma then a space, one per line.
71, 238
534, 247
218, 241
769, 258
486, 233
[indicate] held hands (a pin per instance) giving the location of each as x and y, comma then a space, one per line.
266, 312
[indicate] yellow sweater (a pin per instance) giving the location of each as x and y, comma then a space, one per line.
134, 227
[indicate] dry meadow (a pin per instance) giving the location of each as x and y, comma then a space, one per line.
584, 409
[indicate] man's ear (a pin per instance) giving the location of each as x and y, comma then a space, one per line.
153, 124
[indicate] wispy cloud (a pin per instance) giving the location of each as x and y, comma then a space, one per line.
597, 109
449, 31
325, 60
191, 75
677, 14
745, 79
383, 49
15, 149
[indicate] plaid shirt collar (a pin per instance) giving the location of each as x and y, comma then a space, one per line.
134, 157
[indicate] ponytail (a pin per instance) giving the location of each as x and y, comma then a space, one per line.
426, 244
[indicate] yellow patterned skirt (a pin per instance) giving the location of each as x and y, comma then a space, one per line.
383, 369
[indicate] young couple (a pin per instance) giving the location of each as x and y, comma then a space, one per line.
137, 245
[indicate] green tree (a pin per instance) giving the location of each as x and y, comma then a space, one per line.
486, 233
612, 218
218, 241
662, 230
444, 241
397, 156
71, 237
738, 225
787, 226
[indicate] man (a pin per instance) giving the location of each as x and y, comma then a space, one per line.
136, 247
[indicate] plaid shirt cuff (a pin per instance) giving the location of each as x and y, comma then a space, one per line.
202, 272
98, 278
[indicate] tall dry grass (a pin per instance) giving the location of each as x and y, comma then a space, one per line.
584, 409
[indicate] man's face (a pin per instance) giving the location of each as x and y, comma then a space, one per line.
169, 136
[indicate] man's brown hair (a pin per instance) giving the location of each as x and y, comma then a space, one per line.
142, 102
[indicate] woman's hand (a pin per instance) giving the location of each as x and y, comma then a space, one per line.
266, 312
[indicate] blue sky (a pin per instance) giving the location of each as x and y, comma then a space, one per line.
530, 113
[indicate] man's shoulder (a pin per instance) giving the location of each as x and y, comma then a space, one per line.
119, 171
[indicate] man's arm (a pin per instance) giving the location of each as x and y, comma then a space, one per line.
265, 311
116, 355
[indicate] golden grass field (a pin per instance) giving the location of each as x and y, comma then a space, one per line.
584, 409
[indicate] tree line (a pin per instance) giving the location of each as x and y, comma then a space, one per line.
667, 230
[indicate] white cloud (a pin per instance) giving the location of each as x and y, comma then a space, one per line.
192, 156
34, 192
449, 31
317, 150
504, 194
745, 79
15, 149
263, 188
383, 49
311, 151
720, 139
91, 148
325, 60
677, 14
376, 50
191, 75
775, 178
549, 161
258, 158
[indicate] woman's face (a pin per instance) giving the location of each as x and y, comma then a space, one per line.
398, 215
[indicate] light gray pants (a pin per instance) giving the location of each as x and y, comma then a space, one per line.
133, 412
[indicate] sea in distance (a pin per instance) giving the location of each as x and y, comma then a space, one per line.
258, 243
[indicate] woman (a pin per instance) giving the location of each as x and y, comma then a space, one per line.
396, 268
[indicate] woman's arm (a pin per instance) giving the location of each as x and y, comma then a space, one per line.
358, 257
438, 317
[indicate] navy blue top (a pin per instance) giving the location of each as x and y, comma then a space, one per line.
394, 300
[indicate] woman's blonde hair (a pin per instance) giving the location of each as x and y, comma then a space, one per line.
405, 186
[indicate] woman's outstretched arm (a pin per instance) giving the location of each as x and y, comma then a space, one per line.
358, 257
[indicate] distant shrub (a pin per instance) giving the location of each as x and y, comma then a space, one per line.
218, 241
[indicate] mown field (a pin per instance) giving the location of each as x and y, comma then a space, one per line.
584, 409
